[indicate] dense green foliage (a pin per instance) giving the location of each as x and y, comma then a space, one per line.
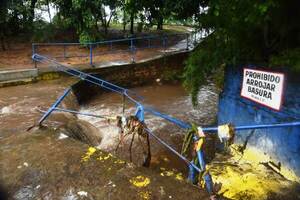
248, 31
88, 19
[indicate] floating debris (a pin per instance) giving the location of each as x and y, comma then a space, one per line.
88, 154
62, 136
140, 181
118, 161
145, 195
102, 158
173, 173
82, 193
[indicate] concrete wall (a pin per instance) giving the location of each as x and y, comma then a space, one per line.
281, 144
164, 68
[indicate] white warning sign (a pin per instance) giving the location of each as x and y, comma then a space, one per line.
263, 87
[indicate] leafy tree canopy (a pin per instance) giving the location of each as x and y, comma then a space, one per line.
248, 31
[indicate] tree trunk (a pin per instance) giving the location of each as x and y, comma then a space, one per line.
2, 41
49, 13
108, 22
31, 11
124, 20
160, 23
131, 23
96, 24
105, 30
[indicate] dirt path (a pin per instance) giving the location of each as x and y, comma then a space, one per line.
19, 56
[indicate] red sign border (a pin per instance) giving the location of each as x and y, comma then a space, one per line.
282, 93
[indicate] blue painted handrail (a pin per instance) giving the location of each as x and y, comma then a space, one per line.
131, 45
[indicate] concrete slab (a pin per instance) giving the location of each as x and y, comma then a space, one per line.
9, 75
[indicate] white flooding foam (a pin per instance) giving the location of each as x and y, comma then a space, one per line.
5, 110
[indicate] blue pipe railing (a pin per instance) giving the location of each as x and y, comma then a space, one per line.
133, 45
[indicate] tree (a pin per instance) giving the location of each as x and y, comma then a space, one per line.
3, 22
31, 11
243, 31
104, 15
132, 9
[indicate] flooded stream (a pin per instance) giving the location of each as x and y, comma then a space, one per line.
171, 99
45, 164
18, 111
31, 162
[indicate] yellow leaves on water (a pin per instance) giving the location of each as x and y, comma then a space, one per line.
88, 154
179, 177
171, 173
118, 161
102, 158
140, 181
144, 195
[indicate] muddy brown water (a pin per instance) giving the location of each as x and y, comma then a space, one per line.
18, 112
171, 99
44, 165
46, 151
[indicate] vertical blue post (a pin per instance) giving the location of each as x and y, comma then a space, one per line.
131, 44
192, 177
58, 101
132, 51
207, 177
33, 52
149, 44
91, 55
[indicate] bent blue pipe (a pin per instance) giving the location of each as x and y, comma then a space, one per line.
85, 76
185, 125
58, 101
78, 113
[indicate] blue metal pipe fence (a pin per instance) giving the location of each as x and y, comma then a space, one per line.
130, 45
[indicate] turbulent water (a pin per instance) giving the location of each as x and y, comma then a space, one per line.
171, 99
42, 161
18, 111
